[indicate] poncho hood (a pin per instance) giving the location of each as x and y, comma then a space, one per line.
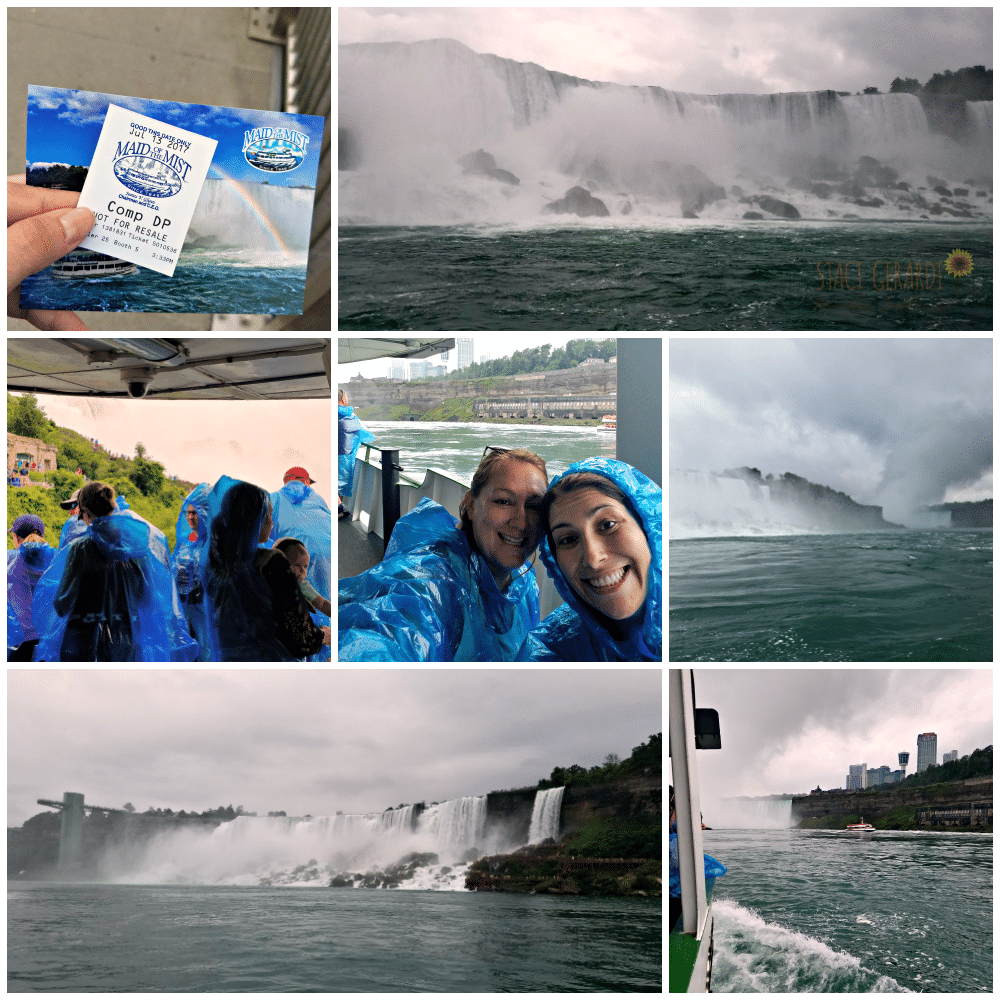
587, 629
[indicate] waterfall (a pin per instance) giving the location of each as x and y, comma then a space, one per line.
545, 815
409, 111
749, 814
300, 849
455, 825
703, 504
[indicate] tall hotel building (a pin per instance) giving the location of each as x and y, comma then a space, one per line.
926, 751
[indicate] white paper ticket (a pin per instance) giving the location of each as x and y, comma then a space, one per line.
143, 185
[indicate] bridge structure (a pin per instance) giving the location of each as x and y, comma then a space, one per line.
71, 831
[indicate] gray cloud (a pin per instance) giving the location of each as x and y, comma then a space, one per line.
791, 730
692, 49
894, 422
311, 741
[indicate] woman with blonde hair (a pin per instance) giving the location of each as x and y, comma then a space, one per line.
451, 592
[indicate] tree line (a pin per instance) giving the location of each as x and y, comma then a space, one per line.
535, 360
974, 83
140, 479
646, 756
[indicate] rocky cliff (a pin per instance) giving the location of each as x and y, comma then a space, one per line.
837, 808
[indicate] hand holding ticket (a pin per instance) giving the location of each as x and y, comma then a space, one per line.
143, 183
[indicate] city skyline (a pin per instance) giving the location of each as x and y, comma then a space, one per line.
791, 730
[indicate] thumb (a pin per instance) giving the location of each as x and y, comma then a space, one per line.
36, 242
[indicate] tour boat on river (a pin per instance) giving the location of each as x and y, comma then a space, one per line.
91, 264
861, 827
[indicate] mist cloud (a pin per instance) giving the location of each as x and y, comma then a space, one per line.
900, 423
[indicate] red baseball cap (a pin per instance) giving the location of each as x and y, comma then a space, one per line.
296, 472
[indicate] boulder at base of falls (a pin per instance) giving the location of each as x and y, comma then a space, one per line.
577, 201
482, 163
776, 207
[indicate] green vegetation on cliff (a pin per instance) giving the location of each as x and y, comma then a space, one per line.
140, 479
645, 757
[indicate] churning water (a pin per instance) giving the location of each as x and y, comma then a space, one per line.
815, 911
679, 275
879, 596
233, 939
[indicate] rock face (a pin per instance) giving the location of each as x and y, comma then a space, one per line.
776, 207
482, 163
577, 201
877, 802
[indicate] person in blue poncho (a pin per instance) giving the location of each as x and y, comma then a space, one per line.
255, 610
351, 434
109, 595
447, 592
26, 562
603, 547
73, 527
192, 533
298, 511
713, 868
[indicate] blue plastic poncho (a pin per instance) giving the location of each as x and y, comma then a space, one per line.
298, 511
25, 566
109, 596
433, 598
713, 868
185, 564
573, 632
241, 612
351, 434
73, 528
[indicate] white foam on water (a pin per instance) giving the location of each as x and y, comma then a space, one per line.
755, 956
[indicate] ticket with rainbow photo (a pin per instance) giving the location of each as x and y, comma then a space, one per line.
199, 208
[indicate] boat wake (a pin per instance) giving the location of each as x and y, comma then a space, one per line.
753, 955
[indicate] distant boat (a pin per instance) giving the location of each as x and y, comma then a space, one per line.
861, 827
91, 264
608, 423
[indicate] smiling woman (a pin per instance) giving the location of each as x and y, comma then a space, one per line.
603, 547
448, 592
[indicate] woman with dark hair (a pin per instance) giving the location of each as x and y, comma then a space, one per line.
603, 547
452, 592
255, 612
109, 594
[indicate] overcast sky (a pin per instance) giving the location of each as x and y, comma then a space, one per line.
891, 422
749, 50
200, 441
791, 730
493, 345
311, 741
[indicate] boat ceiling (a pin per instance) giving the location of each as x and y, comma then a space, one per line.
181, 368
352, 349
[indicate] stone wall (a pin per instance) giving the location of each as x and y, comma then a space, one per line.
419, 397
42, 454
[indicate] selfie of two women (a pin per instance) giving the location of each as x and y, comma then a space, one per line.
529, 523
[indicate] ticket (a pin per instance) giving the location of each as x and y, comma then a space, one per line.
143, 184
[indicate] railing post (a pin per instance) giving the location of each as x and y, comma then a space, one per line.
390, 493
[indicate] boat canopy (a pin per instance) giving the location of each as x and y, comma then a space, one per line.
177, 368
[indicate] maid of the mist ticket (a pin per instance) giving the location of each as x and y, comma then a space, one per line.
143, 184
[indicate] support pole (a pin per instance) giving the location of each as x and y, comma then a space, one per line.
390, 493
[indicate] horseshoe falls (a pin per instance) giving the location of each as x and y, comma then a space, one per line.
718, 211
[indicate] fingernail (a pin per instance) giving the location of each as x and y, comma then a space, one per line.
76, 223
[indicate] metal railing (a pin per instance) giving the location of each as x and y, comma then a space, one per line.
367, 506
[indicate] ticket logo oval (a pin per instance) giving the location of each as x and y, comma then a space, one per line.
274, 154
147, 176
